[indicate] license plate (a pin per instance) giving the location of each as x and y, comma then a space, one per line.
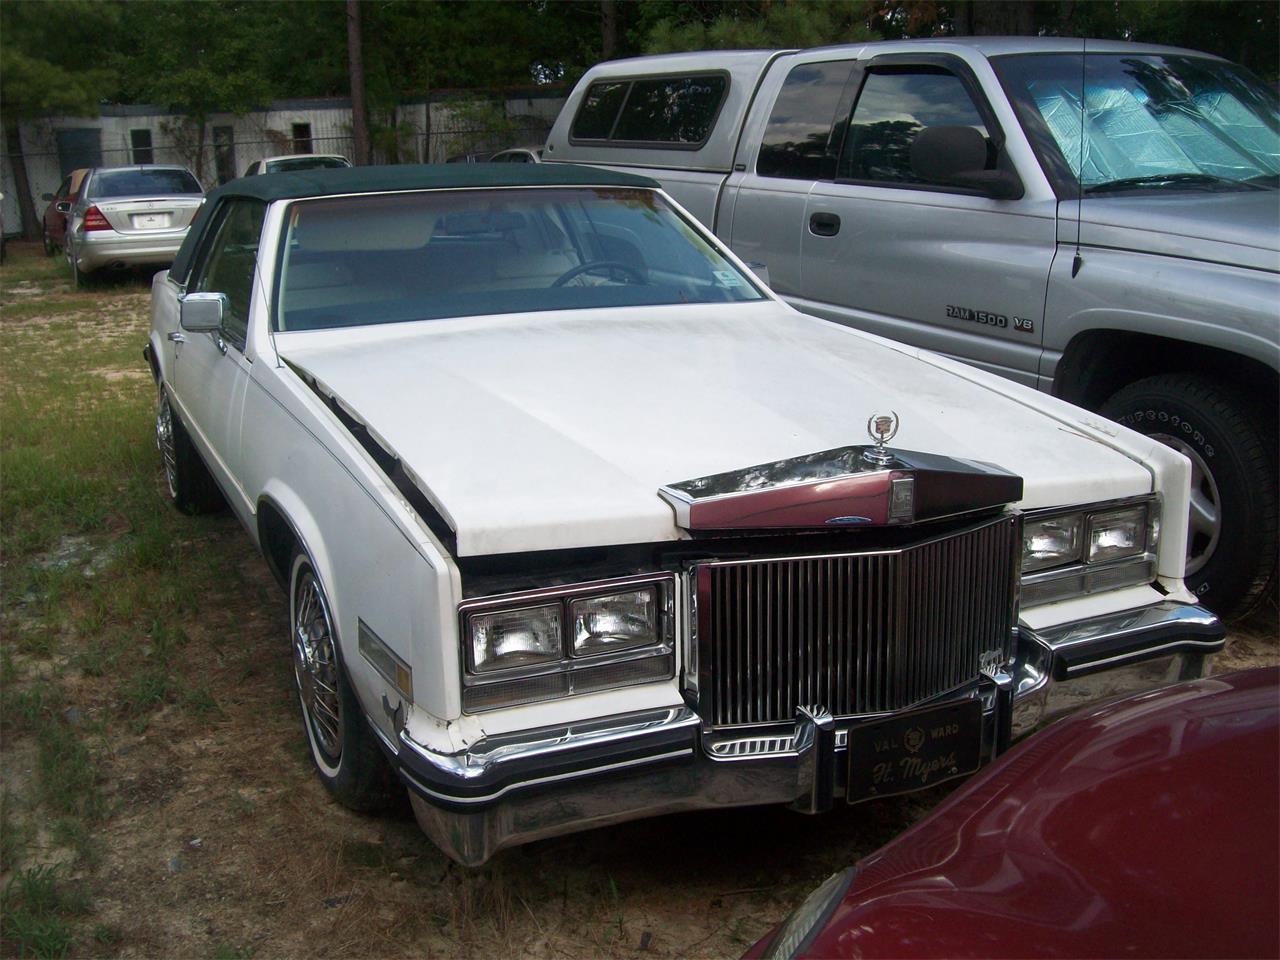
150, 221
913, 751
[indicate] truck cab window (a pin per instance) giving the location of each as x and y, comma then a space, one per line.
890, 113
798, 142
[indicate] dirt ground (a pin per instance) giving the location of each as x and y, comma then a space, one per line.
216, 839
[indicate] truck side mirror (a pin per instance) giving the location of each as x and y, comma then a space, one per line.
958, 155
202, 312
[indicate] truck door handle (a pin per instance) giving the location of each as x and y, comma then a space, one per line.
824, 224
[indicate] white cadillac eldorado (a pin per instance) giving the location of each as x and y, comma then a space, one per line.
579, 523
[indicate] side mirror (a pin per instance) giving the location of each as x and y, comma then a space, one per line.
62, 206
46, 197
202, 312
958, 156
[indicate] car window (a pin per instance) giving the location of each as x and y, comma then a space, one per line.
142, 183
294, 164
659, 111
350, 261
64, 188
892, 109
798, 142
229, 261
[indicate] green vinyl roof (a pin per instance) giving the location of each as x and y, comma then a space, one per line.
439, 176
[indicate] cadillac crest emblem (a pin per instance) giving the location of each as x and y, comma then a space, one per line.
881, 428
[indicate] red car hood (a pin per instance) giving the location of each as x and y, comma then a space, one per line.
1148, 828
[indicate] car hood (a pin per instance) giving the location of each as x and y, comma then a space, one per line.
1233, 228
550, 431
1092, 839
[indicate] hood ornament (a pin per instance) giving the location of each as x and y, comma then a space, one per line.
881, 429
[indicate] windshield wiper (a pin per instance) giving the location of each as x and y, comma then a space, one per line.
1160, 180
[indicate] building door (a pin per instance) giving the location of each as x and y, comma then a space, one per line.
79, 147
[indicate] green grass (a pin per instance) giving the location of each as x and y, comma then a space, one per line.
102, 579
37, 911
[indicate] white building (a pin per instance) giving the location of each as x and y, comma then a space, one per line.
460, 123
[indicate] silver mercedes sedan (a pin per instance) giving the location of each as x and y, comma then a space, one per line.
130, 217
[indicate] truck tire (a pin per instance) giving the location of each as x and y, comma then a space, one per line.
1232, 542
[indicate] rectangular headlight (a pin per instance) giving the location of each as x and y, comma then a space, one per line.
557, 642
1051, 541
1117, 534
619, 621
1090, 549
515, 638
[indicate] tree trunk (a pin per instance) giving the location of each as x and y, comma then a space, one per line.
201, 122
31, 226
608, 29
355, 62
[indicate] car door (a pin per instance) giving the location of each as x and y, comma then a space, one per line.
55, 221
212, 370
766, 196
938, 266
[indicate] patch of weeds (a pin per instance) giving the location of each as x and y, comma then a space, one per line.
166, 639
77, 834
39, 641
201, 701
147, 689
37, 908
22, 709
68, 772
225, 952
13, 836
96, 657
106, 935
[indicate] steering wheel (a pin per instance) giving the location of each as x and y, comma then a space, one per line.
592, 265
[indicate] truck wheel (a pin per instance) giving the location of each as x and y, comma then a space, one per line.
191, 487
1232, 539
347, 760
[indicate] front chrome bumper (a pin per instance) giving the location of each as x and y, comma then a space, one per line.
515, 789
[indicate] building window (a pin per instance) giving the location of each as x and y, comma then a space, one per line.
140, 143
302, 138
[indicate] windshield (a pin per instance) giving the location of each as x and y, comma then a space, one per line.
142, 183
1149, 122
388, 258
305, 163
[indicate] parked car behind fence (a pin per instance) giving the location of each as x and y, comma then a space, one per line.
130, 217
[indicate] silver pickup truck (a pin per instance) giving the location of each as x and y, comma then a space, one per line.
1098, 220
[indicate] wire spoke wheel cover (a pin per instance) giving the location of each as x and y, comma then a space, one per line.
165, 443
315, 667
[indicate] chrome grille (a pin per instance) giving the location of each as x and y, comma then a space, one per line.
857, 633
